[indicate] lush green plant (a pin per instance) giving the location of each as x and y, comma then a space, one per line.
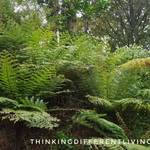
21, 80
96, 121
34, 66
30, 112
89, 64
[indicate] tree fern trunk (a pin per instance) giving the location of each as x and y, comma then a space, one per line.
19, 137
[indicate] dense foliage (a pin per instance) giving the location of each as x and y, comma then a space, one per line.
55, 78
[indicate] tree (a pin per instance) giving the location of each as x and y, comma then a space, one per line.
126, 22
67, 20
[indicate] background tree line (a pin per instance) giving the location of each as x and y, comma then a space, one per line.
124, 22
121, 22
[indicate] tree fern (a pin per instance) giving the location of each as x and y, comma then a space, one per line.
95, 121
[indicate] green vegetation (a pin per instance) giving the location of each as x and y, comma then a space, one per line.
78, 74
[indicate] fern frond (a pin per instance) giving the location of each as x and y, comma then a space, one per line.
40, 79
8, 103
8, 74
100, 102
31, 119
133, 103
43, 80
95, 121
32, 104
54, 85
24, 104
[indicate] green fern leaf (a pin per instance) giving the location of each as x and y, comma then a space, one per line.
32, 104
95, 121
31, 119
8, 74
100, 102
8, 103
133, 103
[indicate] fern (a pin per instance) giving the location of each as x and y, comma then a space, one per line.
27, 80
100, 102
7, 103
129, 78
32, 103
95, 121
122, 104
32, 111
25, 104
43, 81
8, 74
134, 104
121, 73
40, 79
29, 111
32, 119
